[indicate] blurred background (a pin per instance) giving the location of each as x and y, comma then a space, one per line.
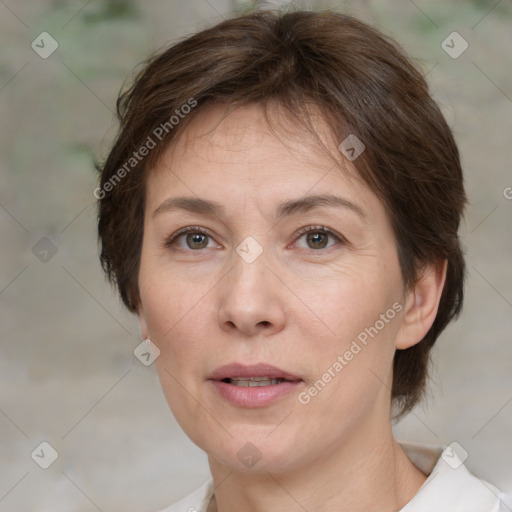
68, 374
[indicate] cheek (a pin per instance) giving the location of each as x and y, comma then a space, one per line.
170, 312
348, 303
176, 322
179, 315
358, 318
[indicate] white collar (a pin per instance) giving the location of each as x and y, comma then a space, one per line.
450, 486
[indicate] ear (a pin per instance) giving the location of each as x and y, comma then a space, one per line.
421, 305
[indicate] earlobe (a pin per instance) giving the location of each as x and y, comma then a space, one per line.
421, 305
143, 328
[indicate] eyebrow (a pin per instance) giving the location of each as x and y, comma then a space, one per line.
293, 207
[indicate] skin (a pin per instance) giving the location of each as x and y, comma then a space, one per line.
298, 306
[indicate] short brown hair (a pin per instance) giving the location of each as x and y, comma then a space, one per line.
361, 81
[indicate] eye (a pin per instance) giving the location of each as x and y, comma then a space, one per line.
196, 238
192, 238
317, 237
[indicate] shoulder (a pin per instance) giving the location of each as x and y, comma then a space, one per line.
450, 486
196, 501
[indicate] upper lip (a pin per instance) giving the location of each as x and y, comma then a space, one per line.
234, 370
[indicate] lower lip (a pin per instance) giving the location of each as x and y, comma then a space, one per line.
256, 396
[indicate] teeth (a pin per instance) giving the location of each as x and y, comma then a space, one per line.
254, 381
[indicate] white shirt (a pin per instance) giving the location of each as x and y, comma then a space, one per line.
450, 487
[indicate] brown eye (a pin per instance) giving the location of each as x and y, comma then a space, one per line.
189, 238
196, 240
317, 240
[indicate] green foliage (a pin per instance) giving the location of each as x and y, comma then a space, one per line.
111, 10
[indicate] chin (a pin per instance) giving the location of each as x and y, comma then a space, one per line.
258, 453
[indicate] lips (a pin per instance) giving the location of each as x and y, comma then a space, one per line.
252, 373
253, 386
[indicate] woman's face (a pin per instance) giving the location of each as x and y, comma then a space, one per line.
289, 271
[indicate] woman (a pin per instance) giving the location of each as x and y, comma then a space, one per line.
280, 209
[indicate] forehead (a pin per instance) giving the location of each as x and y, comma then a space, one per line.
251, 131
240, 154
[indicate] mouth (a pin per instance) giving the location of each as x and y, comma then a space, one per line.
253, 386
253, 382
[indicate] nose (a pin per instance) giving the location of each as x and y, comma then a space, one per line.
251, 299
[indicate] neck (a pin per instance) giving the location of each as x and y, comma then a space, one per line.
369, 472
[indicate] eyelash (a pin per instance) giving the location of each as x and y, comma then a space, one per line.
308, 229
